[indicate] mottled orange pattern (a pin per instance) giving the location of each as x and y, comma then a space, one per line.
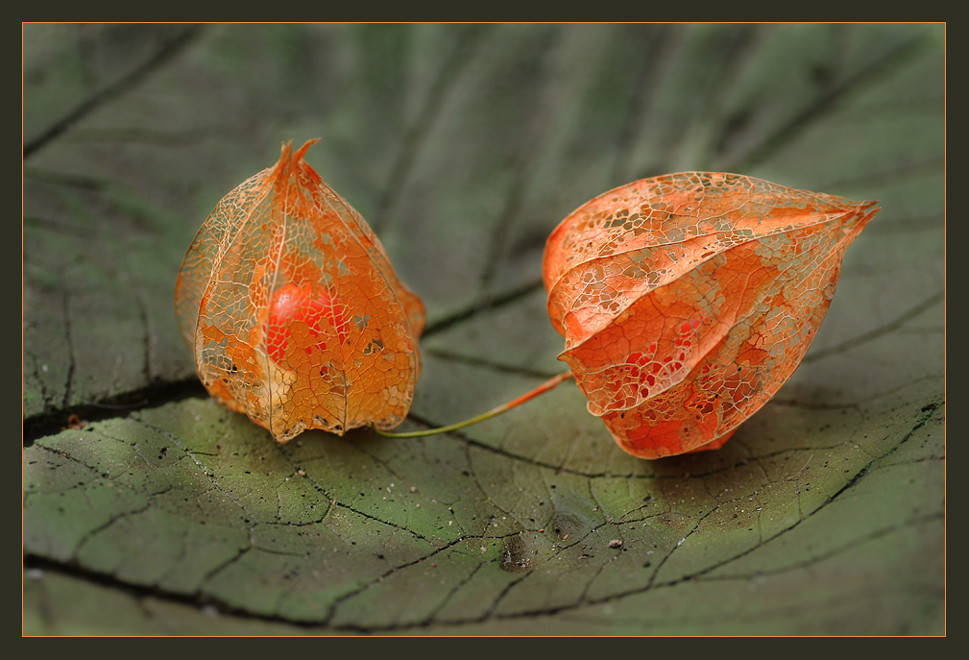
687, 300
293, 310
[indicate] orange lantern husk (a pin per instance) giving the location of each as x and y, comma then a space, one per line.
293, 310
687, 300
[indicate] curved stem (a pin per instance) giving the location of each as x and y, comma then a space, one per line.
541, 389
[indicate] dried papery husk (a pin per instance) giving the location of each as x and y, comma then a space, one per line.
687, 300
293, 310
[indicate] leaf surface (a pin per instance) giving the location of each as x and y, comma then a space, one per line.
464, 146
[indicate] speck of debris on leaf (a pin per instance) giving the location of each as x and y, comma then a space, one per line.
615, 543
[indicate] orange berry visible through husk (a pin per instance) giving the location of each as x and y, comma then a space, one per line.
293, 310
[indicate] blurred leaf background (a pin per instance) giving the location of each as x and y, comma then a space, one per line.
150, 510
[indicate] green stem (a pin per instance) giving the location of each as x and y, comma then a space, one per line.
541, 389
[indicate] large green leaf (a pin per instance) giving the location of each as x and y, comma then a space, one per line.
464, 145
